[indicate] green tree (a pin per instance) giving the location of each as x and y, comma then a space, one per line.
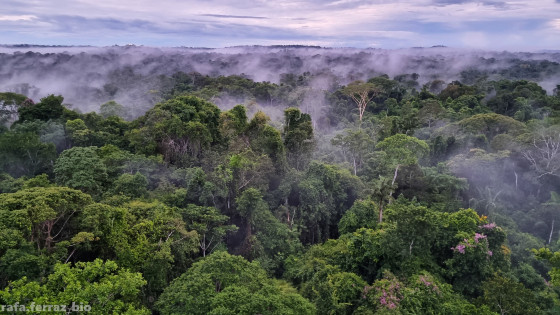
298, 137
23, 153
553, 259
134, 186
79, 133
265, 139
265, 238
361, 215
401, 150
324, 193
431, 112
178, 128
103, 286
49, 107
81, 168
355, 145
226, 284
45, 215
506, 296
209, 224
145, 237
38, 227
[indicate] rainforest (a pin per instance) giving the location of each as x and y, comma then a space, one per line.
280, 180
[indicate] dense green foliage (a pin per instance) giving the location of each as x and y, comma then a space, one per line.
441, 199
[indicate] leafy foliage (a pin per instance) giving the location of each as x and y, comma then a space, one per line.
427, 200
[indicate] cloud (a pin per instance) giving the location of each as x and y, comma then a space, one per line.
234, 16
555, 23
384, 23
500, 4
14, 18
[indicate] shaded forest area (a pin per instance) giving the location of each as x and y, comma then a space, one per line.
385, 195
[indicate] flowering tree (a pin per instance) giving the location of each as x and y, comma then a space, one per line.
476, 257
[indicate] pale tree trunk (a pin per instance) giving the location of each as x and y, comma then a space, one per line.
551, 231
393, 182
395, 176
390, 194
381, 212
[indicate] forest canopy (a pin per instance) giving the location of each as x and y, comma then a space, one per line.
391, 197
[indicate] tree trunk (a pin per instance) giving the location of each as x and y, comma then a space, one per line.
393, 182
551, 231
396, 173
381, 212
204, 245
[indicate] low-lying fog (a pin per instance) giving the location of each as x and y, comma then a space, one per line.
89, 76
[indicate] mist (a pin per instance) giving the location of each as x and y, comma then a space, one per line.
133, 75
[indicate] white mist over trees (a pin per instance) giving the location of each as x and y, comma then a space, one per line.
132, 75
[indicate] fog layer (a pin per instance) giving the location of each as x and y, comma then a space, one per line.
133, 75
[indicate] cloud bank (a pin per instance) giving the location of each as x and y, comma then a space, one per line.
489, 24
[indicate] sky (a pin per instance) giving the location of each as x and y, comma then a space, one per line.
488, 24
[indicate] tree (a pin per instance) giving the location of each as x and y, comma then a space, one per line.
361, 215
484, 172
265, 139
101, 286
382, 193
543, 152
431, 112
45, 215
111, 108
226, 284
553, 259
81, 168
298, 137
401, 150
209, 224
355, 144
178, 128
9, 103
336, 292
491, 125
151, 238
553, 202
506, 296
23, 153
134, 186
265, 238
49, 107
324, 193
362, 93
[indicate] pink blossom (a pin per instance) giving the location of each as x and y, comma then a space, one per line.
489, 226
489, 253
426, 283
478, 236
460, 248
